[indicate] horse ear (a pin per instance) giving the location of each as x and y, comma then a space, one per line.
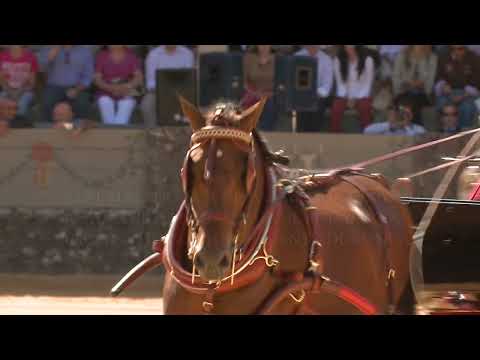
251, 116
195, 117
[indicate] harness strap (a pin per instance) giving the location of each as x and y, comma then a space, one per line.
314, 284
387, 237
208, 303
313, 281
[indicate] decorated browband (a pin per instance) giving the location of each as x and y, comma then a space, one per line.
220, 132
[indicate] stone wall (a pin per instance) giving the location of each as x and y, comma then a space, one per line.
94, 204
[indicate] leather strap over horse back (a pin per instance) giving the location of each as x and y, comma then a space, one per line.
312, 281
377, 208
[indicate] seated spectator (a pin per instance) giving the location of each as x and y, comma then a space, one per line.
414, 74
449, 119
18, 69
399, 121
9, 117
311, 121
259, 78
458, 81
117, 76
63, 118
160, 58
69, 70
354, 76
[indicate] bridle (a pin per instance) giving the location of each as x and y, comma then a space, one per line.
208, 137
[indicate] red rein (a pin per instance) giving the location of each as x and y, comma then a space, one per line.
317, 284
412, 149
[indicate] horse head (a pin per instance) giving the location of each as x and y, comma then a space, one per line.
219, 176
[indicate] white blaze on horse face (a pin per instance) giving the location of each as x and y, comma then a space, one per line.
356, 207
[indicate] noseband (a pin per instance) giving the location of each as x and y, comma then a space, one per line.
209, 136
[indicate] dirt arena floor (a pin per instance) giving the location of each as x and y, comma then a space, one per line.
77, 295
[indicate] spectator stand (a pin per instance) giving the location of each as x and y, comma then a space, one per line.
350, 124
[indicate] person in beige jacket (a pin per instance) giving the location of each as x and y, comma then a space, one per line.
414, 74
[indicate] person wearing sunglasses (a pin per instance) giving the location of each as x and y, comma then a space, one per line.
458, 82
448, 119
70, 71
400, 116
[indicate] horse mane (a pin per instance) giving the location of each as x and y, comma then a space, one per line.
268, 155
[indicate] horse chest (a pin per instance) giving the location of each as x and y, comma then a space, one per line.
246, 301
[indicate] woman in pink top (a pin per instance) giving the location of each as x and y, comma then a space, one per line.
18, 69
117, 75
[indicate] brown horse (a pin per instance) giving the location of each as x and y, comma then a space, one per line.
244, 234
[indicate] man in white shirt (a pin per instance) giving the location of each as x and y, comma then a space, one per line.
400, 117
162, 57
311, 121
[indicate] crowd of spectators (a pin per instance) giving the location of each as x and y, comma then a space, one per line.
387, 88
390, 89
78, 82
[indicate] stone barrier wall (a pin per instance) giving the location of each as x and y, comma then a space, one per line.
93, 204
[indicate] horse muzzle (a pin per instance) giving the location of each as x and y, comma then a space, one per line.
213, 265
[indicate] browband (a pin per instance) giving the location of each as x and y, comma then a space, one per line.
217, 132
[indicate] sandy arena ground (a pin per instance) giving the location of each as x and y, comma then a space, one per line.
30, 305
43, 295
